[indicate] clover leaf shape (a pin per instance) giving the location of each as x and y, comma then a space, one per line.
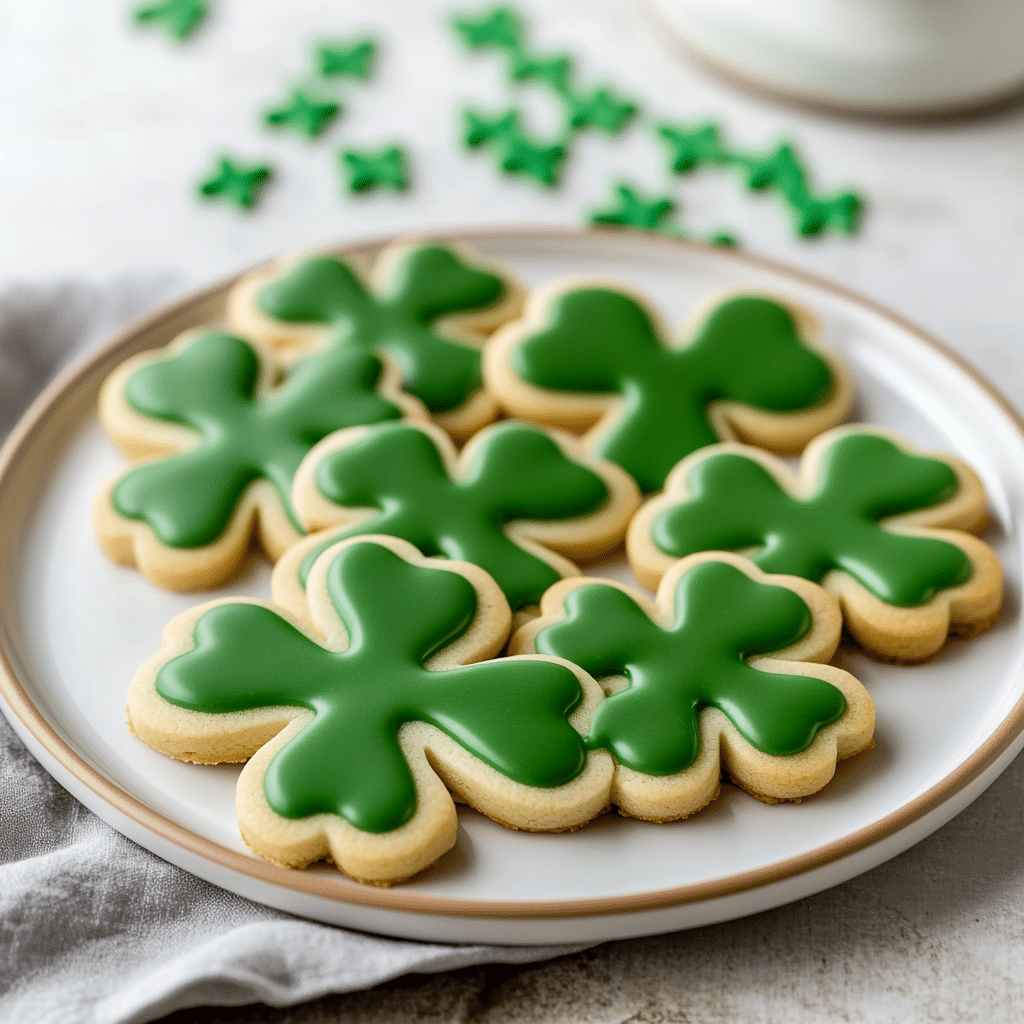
425, 307
516, 502
587, 351
861, 518
722, 668
227, 443
342, 723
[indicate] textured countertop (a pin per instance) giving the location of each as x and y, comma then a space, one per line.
105, 131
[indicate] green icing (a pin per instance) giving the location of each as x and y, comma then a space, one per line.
189, 499
736, 504
348, 760
518, 472
600, 341
722, 617
429, 282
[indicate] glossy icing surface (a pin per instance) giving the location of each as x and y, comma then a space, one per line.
736, 504
721, 618
428, 283
518, 473
210, 387
600, 341
348, 761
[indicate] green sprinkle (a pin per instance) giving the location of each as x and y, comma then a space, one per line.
237, 183
178, 18
303, 114
387, 168
354, 61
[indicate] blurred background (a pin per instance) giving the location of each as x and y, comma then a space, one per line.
108, 126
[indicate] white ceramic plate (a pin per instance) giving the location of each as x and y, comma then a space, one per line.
75, 627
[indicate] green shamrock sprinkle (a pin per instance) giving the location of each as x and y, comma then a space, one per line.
518, 473
699, 661
348, 760
355, 61
690, 148
372, 170
481, 129
633, 211
735, 504
517, 153
178, 18
783, 171
237, 183
189, 499
599, 109
553, 71
303, 114
500, 29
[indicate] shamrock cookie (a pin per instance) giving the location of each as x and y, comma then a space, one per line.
725, 668
591, 356
355, 734
877, 523
223, 438
426, 306
518, 502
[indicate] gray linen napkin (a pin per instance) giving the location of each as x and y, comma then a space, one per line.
97, 930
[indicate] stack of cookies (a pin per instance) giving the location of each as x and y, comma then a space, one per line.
429, 455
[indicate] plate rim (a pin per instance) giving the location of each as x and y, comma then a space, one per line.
339, 888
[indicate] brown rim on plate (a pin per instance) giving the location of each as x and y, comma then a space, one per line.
339, 888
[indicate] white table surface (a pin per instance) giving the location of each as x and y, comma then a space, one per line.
104, 130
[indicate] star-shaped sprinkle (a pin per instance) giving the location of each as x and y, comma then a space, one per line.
354, 61
554, 71
500, 29
178, 18
599, 109
303, 114
783, 170
517, 153
480, 129
689, 148
237, 183
633, 211
371, 170
542, 163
